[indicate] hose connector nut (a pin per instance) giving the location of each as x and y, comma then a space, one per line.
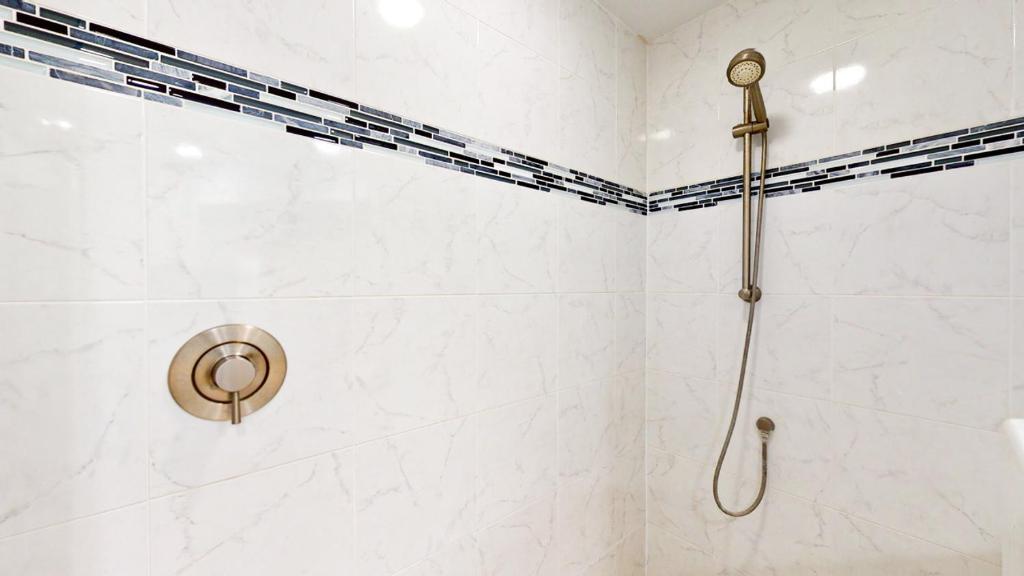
765, 426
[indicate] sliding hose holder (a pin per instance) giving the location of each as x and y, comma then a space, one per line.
749, 292
741, 130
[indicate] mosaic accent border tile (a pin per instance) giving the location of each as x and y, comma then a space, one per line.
37, 37
134, 66
947, 151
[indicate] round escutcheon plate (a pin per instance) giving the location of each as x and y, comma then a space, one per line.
191, 377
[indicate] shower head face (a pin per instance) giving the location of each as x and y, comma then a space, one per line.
746, 68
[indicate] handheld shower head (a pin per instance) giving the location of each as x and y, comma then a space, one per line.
745, 68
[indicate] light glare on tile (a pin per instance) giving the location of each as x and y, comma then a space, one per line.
661, 134
822, 83
845, 77
189, 151
401, 13
326, 148
850, 76
62, 124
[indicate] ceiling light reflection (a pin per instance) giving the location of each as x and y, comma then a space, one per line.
400, 13
326, 148
61, 124
189, 151
845, 77
661, 134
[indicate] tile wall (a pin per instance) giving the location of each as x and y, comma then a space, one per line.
466, 358
472, 364
886, 343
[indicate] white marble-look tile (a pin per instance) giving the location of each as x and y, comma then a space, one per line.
601, 461
599, 427
791, 344
798, 254
414, 495
1017, 226
521, 91
785, 536
586, 35
516, 457
631, 448
783, 30
413, 362
668, 555
683, 415
271, 219
518, 239
934, 481
801, 110
626, 558
523, 543
1017, 360
296, 519
923, 235
866, 549
72, 412
630, 244
686, 138
630, 333
682, 251
517, 345
594, 513
681, 332
308, 43
630, 439
111, 543
679, 498
960, 55
530, 22
425, 68
126, 15
1018, 60
588, 137
471, 7
314, 412
942, 359
72, 225
631, 109
416, 232
586, 338
858, 17
461, 557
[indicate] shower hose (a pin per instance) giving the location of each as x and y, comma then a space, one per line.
746, 357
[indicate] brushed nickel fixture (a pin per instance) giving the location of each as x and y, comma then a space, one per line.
227, 372
745, 70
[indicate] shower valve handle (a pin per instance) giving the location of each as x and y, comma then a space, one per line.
234, 374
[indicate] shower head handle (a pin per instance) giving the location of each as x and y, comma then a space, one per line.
757, 104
